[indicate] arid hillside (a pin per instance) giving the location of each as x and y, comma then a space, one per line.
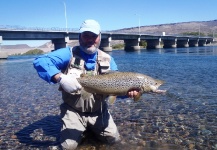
203, 27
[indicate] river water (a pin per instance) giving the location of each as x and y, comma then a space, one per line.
185, 117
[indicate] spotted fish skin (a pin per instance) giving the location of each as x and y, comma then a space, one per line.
119, 83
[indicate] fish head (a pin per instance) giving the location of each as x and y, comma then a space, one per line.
151, 85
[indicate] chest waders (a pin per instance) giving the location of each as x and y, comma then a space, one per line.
84, 101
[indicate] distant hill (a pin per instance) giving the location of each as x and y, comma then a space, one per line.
17, 46
208, 28
205, 27
46, 45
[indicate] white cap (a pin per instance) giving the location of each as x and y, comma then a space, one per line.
91, 26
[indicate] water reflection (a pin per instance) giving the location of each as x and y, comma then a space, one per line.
210, 50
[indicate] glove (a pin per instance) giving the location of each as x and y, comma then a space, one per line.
69, 83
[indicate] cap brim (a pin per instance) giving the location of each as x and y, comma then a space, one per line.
90, 30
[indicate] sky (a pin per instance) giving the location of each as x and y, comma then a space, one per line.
111, 14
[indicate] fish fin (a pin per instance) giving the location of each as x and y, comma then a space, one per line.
83, 75
111, 99
137, 97
111, 71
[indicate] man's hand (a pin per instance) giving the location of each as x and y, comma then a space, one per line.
133, 93
69, 83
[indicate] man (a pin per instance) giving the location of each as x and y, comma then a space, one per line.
81, 110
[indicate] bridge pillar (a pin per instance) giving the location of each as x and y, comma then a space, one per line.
105, 45
169, 43
0, 41
202, 42
3, 55
153, 43
132, 44
193, 43
60, 43
183, 43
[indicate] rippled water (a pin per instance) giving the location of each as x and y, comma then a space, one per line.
183, 118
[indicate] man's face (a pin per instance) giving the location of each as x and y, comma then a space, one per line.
89, 40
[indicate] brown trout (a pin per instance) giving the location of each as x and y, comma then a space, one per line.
119, 83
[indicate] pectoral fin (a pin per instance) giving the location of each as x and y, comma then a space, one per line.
111, 99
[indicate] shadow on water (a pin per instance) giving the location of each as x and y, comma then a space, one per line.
42, 133
45, 133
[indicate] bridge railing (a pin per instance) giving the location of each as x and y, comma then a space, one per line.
22, 28
59, 29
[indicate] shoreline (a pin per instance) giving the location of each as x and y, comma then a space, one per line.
23, 50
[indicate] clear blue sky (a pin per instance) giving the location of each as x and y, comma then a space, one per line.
111, 14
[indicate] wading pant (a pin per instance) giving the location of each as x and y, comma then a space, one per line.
75, 123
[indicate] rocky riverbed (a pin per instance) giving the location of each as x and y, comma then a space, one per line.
29, 120
182, 118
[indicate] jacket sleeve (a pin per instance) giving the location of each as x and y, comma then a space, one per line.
113, 65
52, 63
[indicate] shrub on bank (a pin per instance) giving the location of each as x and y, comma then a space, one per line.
118, 46
34, 52
143, 43
30, 52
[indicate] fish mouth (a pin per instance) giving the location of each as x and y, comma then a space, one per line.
160, 91
155, 89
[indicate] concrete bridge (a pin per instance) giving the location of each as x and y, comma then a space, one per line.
131, 41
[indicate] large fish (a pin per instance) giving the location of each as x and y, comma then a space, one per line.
119, 83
